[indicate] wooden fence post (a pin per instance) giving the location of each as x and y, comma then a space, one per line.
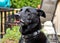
3, 21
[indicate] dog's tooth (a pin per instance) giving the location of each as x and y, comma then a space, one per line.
21, 20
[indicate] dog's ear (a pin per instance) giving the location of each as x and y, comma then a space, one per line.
41, 13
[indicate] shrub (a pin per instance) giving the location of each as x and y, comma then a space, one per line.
21, 3
12, 35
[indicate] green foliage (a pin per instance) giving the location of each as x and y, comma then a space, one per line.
12, 34
21, 3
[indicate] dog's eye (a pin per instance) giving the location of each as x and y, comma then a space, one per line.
20, 9
27, 10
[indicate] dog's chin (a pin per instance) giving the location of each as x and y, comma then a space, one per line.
21, 24
25, 24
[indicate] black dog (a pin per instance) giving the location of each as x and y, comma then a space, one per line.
31, 25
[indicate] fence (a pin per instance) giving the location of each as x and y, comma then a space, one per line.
4, 13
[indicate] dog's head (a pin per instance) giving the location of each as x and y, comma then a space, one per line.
29, 15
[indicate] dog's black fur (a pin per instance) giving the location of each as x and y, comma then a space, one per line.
30, 22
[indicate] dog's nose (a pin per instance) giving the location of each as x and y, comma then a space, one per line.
17, 14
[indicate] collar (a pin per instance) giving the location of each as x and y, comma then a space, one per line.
36, 32
33, 34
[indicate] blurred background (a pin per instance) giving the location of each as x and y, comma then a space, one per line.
11, 7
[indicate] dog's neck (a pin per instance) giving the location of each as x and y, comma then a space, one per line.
28, 29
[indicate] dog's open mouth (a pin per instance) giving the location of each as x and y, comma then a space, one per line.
21, 22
